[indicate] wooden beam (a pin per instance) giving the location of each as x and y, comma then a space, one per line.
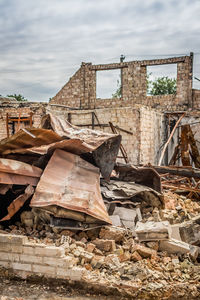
169, 139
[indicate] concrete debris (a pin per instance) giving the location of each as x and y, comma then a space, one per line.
151, 231
112, 233
178, 247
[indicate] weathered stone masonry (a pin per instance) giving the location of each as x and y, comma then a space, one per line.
80, 91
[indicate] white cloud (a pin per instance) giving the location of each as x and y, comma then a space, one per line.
43, 42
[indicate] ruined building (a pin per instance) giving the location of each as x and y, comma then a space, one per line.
143, 121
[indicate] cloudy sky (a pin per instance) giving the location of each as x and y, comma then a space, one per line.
43, 42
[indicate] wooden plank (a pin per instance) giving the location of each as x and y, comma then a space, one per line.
169, 139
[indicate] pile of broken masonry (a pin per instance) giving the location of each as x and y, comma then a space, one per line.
61, 185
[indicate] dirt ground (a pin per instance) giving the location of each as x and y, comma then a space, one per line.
22, 290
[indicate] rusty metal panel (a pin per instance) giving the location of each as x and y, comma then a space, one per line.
91, 138
19, 168
74, 146
16, 172
18, 203
7, 178
27, 139
142, 175
104, 146
71, 183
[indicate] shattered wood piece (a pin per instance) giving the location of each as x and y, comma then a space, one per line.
177, 247
192, 193
135, 256
175, 155
180, 171
152, 231
181, 188
184, 146
175, 180
194, 149
71, 185
18, 203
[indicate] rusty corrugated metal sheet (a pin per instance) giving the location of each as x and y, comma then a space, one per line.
74, 146
71, 183
104, 146
16, 172
27, 139
20, 168
91, 138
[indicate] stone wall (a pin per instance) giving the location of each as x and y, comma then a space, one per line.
27, 258
22, 109
144, 123
80, 91
196, 99
152, 135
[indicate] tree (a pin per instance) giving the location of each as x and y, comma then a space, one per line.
18, 97
162, 86
118, 92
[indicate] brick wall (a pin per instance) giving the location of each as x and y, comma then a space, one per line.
80, 91
151, 136
27, 258
144, 123
196, 98
14, 109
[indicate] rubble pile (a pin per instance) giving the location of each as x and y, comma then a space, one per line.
61, 185
112, 257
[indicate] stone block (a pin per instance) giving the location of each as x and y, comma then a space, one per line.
135, 256
144, 251
5, 247
90, 247
13, 239
87, 256
105, 245
150, 231
52, 251
30, 250
112, 233
97, 261
16, 248
9, 256
21, 266
64, 262
112, 260
47, 270
31, 259
178, 247
74, 274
